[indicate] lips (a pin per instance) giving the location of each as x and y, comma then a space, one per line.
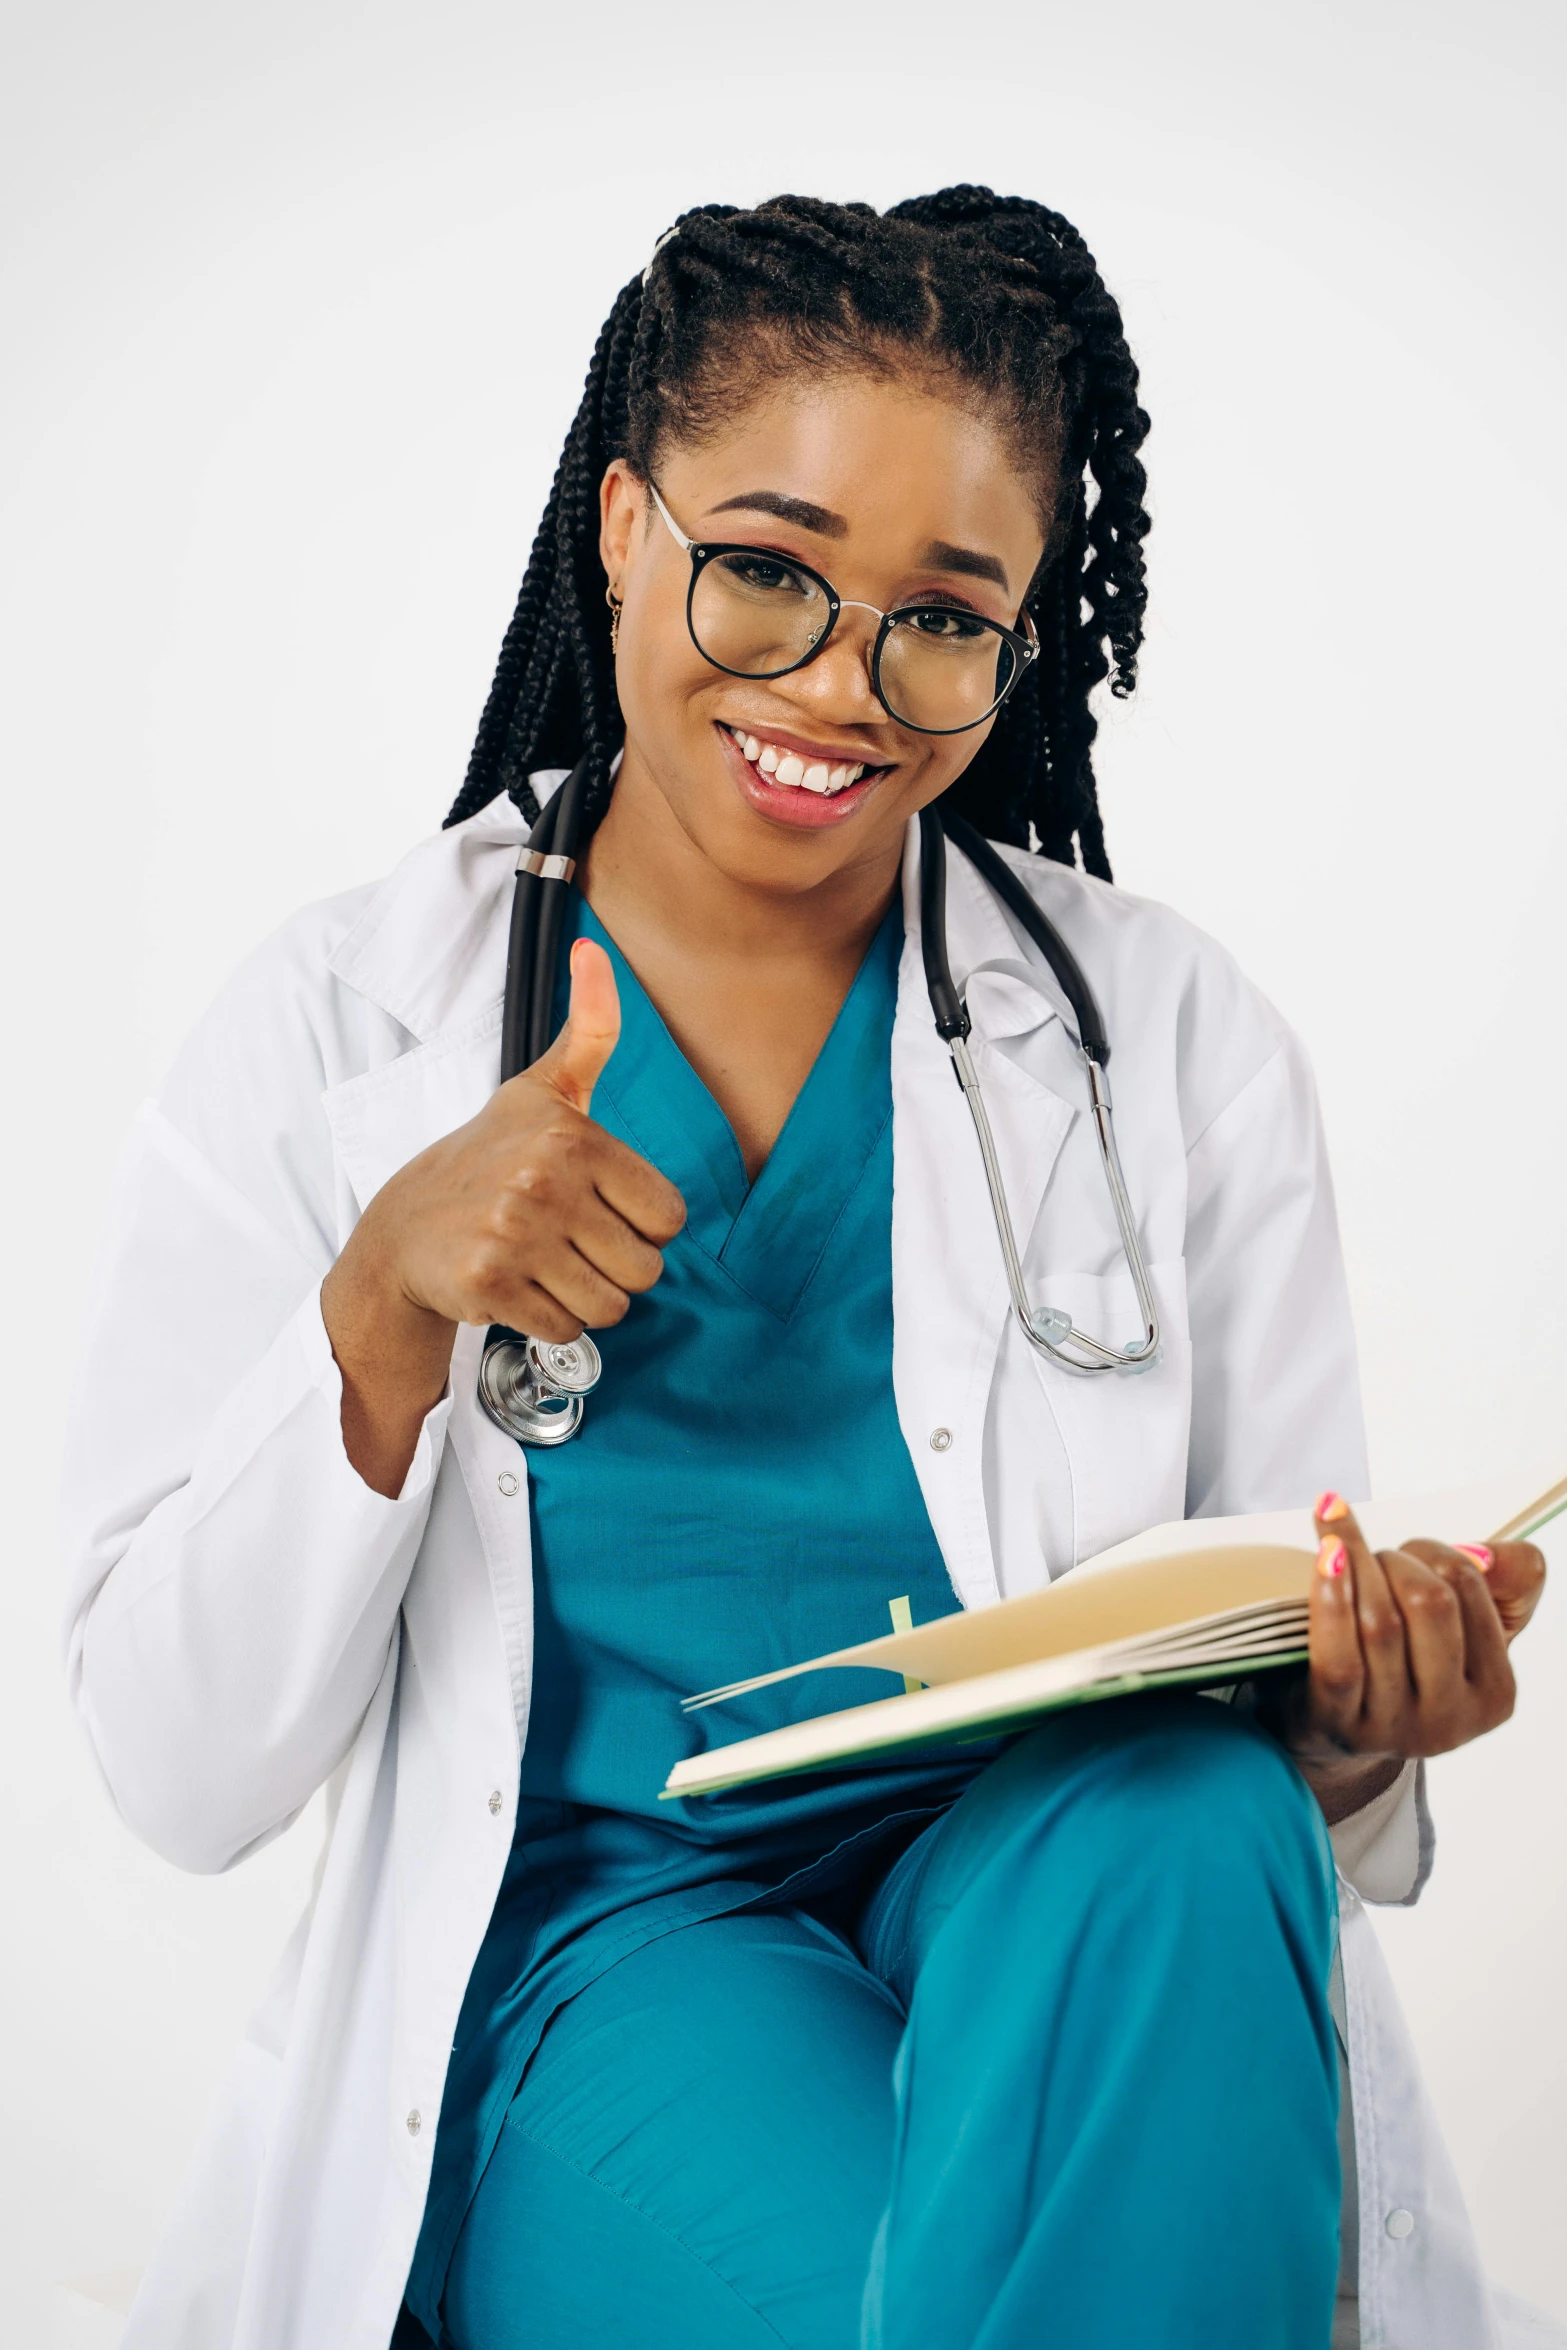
802, 806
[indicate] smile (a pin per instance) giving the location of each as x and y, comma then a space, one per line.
791, 771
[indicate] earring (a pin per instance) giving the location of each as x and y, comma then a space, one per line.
613, 601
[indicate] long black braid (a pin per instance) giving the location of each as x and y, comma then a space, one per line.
995, 294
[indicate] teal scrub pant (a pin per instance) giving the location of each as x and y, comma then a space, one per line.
1069, 2080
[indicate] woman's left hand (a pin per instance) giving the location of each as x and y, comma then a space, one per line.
1408, 1654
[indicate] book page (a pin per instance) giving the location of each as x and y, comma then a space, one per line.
1452, 1513
1080, 1612
1165, 1576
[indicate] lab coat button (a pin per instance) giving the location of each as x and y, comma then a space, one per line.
507, 1483
941, 1440
414, 2123
495, 1799
1400, 2223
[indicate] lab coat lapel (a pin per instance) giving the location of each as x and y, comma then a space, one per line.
429, 950
389, 1115
950, 1296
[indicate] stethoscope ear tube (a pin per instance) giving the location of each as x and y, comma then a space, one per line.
1049, 1331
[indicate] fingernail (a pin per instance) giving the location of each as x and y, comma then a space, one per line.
1331, 1505
1484, 1559
1332, 1557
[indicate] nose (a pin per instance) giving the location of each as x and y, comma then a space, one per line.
837, 684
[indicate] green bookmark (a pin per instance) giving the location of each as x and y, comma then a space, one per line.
903, 1621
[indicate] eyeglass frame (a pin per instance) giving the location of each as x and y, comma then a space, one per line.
1025, 646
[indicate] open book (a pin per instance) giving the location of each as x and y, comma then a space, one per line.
1206, 1601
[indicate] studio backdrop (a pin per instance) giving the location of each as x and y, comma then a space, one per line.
299, 302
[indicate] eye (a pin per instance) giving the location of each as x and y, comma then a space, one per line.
762, 574
943, 624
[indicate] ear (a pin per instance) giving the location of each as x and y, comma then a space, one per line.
621, 501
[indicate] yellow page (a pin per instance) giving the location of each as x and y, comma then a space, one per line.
1081, 1611
1168, 1575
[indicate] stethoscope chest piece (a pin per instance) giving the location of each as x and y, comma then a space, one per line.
533, 1388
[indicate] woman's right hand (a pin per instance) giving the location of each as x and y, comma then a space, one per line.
530, 1215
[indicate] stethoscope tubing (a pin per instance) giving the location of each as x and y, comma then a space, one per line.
545, 870
936, 828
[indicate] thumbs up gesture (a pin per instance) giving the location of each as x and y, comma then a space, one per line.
530, 1215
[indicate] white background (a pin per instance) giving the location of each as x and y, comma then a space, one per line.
298, 299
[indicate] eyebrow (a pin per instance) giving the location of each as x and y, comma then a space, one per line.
938, 553
800, 511
967, 560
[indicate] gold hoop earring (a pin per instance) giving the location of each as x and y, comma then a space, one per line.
613, 601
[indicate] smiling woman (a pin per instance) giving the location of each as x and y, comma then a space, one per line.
986, 2045
977, 319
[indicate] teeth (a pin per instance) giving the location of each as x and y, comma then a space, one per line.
789, 769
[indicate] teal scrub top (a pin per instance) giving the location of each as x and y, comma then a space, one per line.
739, 1497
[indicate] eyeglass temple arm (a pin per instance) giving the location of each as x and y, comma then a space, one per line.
675, 531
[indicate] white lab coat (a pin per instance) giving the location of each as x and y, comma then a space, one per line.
249, 1621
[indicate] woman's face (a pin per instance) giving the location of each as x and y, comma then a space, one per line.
895, 496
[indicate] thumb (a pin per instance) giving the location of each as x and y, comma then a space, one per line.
1514, 1576
575, 1061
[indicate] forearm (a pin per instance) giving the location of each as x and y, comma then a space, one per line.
1346, 1784
1342, 1783
394, 1357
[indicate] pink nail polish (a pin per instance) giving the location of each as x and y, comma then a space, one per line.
1484, 1559
1332, 1558
1330, 1506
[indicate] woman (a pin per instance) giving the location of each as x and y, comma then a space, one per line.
994, 2045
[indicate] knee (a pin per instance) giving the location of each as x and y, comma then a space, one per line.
1162, 1826
1166, 1783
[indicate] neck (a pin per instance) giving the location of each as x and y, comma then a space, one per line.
659, 893
747, 975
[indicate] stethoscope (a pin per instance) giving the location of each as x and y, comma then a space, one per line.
532, 1388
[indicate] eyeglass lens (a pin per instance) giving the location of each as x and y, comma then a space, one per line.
941, 669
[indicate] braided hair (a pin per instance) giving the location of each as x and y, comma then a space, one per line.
993, 298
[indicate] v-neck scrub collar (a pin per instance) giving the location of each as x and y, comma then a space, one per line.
767, 1236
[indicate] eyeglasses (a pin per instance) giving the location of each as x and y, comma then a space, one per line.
938, 668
